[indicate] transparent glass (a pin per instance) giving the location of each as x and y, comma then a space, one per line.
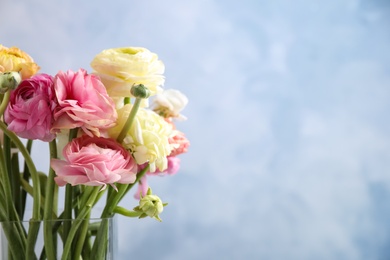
89, 239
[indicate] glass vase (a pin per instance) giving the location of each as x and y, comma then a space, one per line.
86, 239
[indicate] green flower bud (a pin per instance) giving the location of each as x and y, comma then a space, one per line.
140, 91
9, 80
150, 205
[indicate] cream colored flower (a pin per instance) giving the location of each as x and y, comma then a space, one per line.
121, 68
169, 103
148, 137
14, 59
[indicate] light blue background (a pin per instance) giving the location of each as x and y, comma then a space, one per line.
288, 119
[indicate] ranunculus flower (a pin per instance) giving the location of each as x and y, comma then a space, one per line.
169, 103
30, 110
148, 137
173, 165
179, 143
82, 102
14, 59
94, 161
173, 168
121, 68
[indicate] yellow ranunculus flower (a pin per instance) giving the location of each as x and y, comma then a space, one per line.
121, 68
14, 59
147, 138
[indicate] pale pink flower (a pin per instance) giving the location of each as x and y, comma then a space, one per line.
173, 168
179, 143
94, 161
173, 165
83, 102
30, 110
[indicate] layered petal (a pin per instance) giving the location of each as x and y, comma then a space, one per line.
31, 107
94, 161
121, 68
82, 102
14, 59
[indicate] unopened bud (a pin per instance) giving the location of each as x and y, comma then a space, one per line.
140, 91
9, 80
150, 205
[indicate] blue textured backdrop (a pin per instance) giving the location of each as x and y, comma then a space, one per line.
288, 119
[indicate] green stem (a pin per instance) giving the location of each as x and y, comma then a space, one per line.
68, 196
33, 230
4, 102
16, 184
15, 244
139, 176
29, 189
33, 171
82, 215
73, 133
48, 209
34, 226
126, 212
108, 211
16, 236
81, 237
67, 210
100, 244
129, 120
26, 177
8, 170
86, 194
115, 198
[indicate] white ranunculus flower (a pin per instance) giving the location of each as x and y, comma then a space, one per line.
169, 103
147, 138
121, 68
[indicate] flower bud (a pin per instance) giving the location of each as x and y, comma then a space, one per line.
9, 80
140, 91
150, 205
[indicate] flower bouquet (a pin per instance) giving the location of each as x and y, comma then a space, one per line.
107, 131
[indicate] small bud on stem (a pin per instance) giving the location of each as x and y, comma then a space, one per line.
140, 91
9, 80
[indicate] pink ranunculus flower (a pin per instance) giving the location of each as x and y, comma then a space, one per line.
94, 161
173, 168
83, 102
30, 110
179, 143
173, 165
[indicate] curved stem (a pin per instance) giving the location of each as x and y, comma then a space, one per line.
109, 210
9, 212
129, 120
126, 212
5, 101
34, 225
33, 171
